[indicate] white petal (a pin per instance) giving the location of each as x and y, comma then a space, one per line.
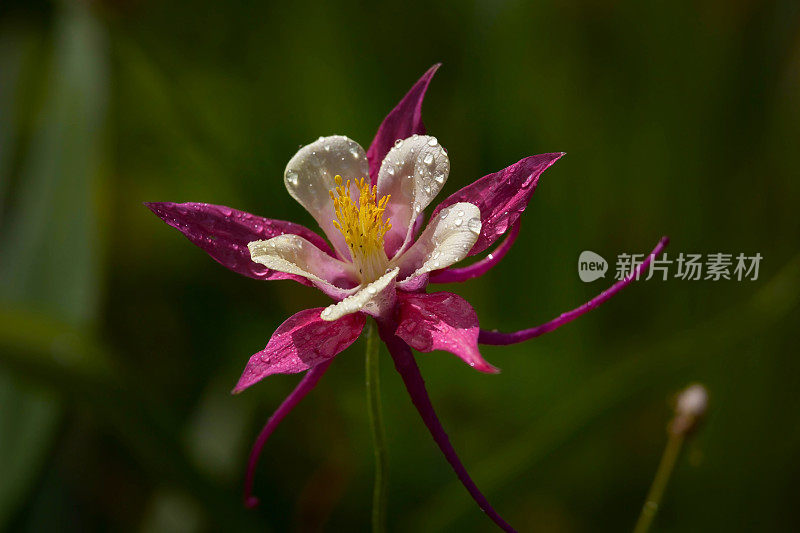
413, 172
309, 178
371, 299
295, 255
447, 240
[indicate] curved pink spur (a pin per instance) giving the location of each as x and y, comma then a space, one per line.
498, 338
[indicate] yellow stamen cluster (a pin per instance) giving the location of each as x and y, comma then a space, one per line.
362, 225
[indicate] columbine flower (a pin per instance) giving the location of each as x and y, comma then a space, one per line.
370, 207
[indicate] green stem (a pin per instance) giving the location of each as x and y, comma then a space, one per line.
378, 432
659, 486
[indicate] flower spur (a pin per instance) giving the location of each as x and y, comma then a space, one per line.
370, 207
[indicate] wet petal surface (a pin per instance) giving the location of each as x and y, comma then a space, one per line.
309, 177
224, 233
502, 196
441, 321
447, 239
373, 299
300, 343
413, 173
295, 255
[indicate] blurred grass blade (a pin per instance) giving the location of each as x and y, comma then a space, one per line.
48, 247
49, 255
27, 425
13, 45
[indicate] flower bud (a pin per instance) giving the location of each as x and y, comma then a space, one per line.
690, 407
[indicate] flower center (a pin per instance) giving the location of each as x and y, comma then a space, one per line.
363, 226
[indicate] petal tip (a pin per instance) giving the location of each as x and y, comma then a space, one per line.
485, 367
155, 207
240, 387
327, 315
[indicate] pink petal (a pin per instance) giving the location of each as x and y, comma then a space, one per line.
496, 337
300, 343
407, 368
441, 321
403, 121
224, 234
305, 386
479, 268
502, 196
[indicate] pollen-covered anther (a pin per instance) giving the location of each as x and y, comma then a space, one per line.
362, 225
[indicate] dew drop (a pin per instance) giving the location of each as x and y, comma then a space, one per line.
390, 170
327, 147
428, 159
459, 221
354, 152
398, 143
474, 226
433, 141
443, 214
427, 189
461, 212
291, 178
372, 290
439, 177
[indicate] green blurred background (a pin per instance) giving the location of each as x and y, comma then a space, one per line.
120, 341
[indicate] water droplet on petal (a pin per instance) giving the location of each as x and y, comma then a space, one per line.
459, 221
433, 141
474, 226
390, 170
327, 147
428, 159
398, 143
427, 189
439, 177
461, 212
291, 178
443, 214
354, 152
